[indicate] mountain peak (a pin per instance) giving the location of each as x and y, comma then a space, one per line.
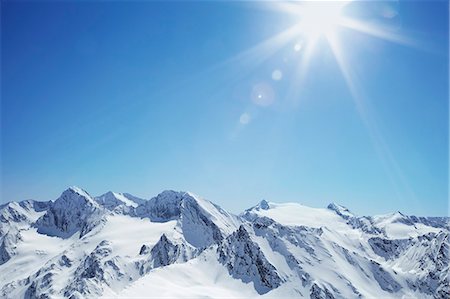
77, 190
340, 210
74, 211
72, 197
262, 205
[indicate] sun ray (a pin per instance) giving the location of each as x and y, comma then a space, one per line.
301, 71
306, 7
381, 147
265, 49
378, 32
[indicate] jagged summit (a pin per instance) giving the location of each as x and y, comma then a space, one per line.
340, 210
264, 204
73, 197
74, 211
77, 190
246, 261
163, 207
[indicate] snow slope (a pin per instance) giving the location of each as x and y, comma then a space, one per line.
111, 200
178, 244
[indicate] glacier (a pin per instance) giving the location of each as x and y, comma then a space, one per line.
178, 244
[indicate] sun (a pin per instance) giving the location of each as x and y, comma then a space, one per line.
319, 18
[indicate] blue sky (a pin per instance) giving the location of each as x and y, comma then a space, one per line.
145, 96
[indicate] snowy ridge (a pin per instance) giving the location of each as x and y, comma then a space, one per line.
178, 244
112, 200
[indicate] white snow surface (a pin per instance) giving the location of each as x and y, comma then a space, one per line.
297, 214
114, 199
179, 245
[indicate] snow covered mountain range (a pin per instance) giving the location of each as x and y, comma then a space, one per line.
180, 245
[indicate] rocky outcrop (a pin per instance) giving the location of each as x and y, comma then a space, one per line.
245, 261
74, 211
384, 278
389, 249
8, 245
163, 253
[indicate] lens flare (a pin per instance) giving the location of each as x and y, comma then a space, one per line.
244, 118
277, 75
263, 94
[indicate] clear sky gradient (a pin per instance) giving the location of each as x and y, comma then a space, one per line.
140, 97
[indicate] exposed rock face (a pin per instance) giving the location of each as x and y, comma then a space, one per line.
8, 245
164, 207
299, 236
198, 229
12, 212
164, 253
15, 217
20, 215
384, 279
145, 249
365, 224
387, 248
245, 261
123, 203
197, 223
341, 211
438, 222
41, 283
281, 237
100, 268
317, 292
431, 257
74, 211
